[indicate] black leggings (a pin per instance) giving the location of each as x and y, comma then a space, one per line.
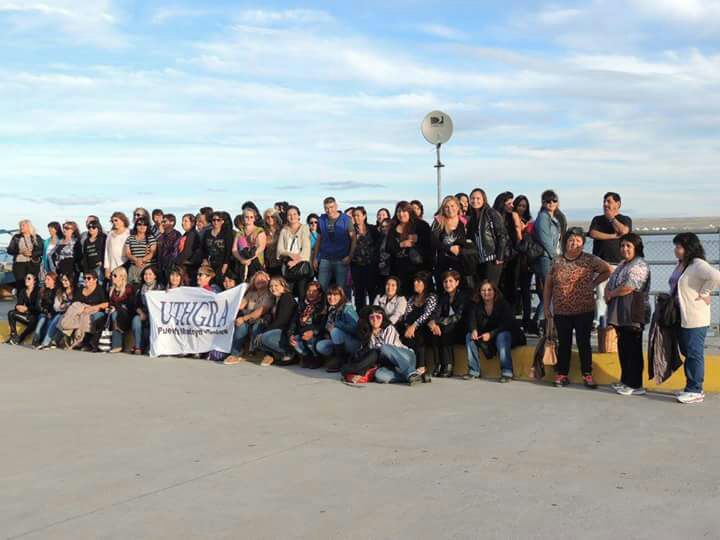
582, 324
630, 351
28, 319
363, 284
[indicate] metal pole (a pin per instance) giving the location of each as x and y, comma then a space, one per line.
438, 166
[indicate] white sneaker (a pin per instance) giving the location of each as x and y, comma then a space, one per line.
617, 386
627, 391
691, 397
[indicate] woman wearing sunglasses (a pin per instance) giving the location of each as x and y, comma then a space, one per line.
115, 243
26, 310
93, 249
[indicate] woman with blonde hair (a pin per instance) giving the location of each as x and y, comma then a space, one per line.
273, 226
120, 307
26, 248
275, 340
448, 238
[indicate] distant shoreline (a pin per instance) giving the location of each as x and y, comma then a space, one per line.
696, 224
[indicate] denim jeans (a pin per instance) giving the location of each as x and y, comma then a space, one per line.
692, 347
305, 348
324, 347
117, 335
403, 361
271, 342
243, 333
330, 271
139, 328
51, 329
40, 329
503, 343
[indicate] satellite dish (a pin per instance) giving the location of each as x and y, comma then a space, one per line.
437, 127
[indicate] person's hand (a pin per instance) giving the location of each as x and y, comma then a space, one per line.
436, 330
413, 238
547, 313
410, 331
315, 264
88, 309
407, 244
705, 299
499, 262
608, 295
239, 321
143, 317
455, 250
329, 327
307, 335
292, 263
486, 337
293, 341
474, 335
346, 260
21, 309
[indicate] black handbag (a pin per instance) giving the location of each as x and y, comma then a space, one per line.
415, 257
302, 270
668, 310
529, 247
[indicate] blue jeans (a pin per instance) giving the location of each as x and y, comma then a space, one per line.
503, 343
117, 335
351, 344
403, 361
39, 332
51, 329
271, 342
333, 271
692, 347
542, 269
241, 335
305, 348
138, 329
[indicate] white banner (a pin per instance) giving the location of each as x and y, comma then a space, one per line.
192, 320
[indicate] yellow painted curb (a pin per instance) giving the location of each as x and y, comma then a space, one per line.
606, 368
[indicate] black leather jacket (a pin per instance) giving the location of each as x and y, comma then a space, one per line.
488, 227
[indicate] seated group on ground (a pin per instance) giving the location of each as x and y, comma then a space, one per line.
388, 301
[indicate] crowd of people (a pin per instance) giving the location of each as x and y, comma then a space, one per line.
386, 301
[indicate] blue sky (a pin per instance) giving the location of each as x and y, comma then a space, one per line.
111, 104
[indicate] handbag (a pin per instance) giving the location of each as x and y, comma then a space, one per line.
529, 247
302, 270
549, 344
607, 340
415, 257
104, 343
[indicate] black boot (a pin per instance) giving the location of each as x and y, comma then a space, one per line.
340, 357
25, 333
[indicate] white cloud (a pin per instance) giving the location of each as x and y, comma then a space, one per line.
555, 15
291, 16
443, 31
162, 15
85, 22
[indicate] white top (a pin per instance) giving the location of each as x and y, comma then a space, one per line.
698, 280
115, 249
292, 244
394, 308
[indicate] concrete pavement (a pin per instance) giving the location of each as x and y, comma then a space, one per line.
127, 447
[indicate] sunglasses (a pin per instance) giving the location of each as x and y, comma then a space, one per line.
375, 316
313, 222
67, 227
89, 278
548, 201
92, 226
202, 275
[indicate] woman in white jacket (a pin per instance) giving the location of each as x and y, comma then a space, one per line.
115, 243
692, 281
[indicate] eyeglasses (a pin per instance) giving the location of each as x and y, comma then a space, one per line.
313, 222
548, 201
89, 278
67, 227
375, 316
92, 226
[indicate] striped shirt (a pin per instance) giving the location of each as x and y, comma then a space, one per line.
140, 248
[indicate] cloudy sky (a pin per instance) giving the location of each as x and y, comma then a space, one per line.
111, 104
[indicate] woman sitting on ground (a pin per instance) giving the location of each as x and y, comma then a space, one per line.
176, 278
493, 329
275, 340
85, 314
64, 294
308, 324
26, 311
448, 328
392, 302
206, 277
46, 310
255, 305
340, 330
396, 361
120, 307
413, 327
141, 322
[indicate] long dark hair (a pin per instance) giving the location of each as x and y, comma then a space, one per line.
57, 228
527, 216
692, 246
499, 204
406, 207
477, 298
364, 329
426, 278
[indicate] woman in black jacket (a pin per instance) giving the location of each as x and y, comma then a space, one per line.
486, 229
448, 326
217, 245
413, 327
93, 249
308, 325
448, 239
26, 248
275, 340
46, 308
68, 252
27, 310
189, 250
364, 263
493, 329
409, 245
